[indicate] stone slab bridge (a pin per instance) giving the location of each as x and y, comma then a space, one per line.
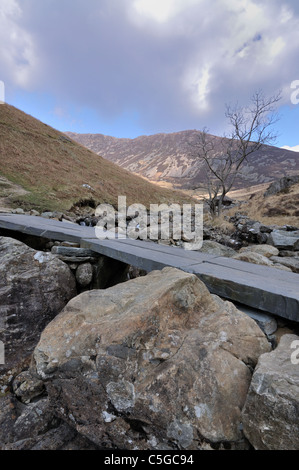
264, 288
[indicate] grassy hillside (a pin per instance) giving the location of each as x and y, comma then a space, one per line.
52, 169
279, 209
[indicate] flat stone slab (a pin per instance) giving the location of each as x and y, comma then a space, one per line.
261, 292
261, 287
71, 251
136, 255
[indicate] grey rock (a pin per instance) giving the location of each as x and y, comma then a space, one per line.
267, 323
48, 215
35, 427
70, 244
252, 257
266, 229
35, 419
26, 387
281, 185
84, 274
284, 240
289, 262
77, 259
153, 363
214, 248
34, 212
288, 253
271, 411
72, 251
8, 416
264, 250
34, 288
19, 211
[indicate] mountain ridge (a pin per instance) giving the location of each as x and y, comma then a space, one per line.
167, 157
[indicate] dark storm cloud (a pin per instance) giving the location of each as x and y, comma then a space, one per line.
176, 63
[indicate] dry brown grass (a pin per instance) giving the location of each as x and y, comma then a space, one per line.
53, 168
279, 209
221, 223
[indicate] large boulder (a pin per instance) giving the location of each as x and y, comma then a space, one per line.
271, 412
155, 363
34, 288
281, 185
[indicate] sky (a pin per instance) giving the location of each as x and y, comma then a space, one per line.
127, 68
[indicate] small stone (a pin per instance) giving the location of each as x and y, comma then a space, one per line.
290, 262
70, 244
26, 387
84, 274
267, 323
72, 251
217, 249
255, 258
47, 215
73, 266
34, 213
289, 254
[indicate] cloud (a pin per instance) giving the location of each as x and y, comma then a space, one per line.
17, 53
293, 149
173, 62
161, 11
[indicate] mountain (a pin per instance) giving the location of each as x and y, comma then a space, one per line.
170, 158
45, 169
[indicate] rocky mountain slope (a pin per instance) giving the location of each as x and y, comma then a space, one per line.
44, 169
170, 158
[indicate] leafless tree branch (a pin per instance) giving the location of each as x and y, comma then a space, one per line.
251, 128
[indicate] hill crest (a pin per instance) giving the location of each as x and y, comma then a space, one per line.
169, 158
56, 172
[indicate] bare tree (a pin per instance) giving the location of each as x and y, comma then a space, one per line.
251, 128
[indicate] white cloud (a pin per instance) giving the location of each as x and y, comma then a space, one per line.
196, 82
161, 10
175, 63
17, 54
293, 149
285, 14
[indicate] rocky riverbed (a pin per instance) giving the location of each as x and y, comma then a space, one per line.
151, 361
